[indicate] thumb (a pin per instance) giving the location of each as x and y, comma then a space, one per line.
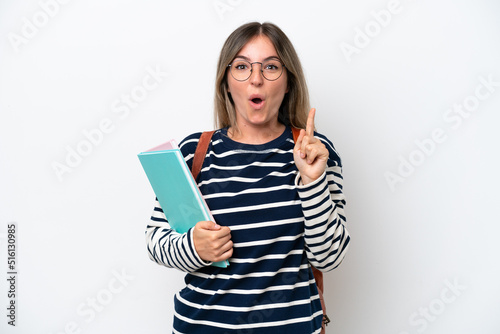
208, 225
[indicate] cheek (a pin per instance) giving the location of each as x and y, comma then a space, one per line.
238, 93
281, 87
280, 91
232, 87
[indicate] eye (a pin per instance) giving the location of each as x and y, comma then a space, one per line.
240, 66
273, 66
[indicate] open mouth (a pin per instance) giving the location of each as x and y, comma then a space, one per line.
257, 101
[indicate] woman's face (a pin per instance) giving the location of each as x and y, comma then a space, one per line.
257, 100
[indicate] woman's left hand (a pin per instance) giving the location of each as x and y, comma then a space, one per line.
309, 153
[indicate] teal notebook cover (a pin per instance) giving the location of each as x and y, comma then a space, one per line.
175, 188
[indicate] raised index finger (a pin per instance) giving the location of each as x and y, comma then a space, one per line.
310, 123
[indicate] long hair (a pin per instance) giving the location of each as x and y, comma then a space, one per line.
295, 105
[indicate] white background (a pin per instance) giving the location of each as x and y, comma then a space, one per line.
436, 227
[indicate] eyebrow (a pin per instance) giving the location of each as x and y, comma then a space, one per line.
248, 59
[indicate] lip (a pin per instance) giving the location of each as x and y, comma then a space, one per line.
257, 105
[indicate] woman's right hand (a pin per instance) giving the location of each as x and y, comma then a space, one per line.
212, 241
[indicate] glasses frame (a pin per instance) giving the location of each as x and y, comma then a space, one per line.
261, 70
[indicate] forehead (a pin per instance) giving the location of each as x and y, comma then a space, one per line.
258, 48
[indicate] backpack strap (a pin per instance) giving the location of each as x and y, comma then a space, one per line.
318, 277
201, 152
296, 133
199, 157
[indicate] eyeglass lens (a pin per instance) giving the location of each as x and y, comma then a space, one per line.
242, 69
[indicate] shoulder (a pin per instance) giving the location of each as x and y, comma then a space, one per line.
188, 145
334, 155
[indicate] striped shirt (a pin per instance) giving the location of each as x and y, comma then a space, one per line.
279, 228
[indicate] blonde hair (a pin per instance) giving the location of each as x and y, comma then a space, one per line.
295, 105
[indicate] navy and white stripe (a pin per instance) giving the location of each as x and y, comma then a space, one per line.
279, 229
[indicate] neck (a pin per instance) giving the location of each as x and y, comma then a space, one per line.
255, 135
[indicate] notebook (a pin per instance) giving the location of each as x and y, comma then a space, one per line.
175, 188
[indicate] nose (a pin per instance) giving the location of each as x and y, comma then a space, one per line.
256, 76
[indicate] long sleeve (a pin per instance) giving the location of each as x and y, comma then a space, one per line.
250, 189
323, 201
169, 248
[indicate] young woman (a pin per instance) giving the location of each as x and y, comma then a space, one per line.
278, 204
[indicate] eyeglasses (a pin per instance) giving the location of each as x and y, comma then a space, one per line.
241, 70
